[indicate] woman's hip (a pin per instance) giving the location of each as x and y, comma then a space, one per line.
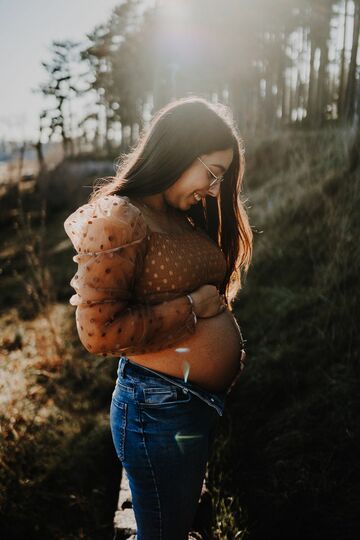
153, 415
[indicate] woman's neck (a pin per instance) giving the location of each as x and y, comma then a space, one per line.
168, 219
156, 203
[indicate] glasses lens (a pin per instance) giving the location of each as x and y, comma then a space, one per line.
216, 181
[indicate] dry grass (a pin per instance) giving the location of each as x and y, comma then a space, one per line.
54, 402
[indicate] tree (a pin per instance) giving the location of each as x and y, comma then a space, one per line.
350, 95
62, 85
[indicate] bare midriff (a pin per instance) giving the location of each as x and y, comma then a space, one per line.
210, 357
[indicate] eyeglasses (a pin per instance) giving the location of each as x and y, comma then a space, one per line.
217, 179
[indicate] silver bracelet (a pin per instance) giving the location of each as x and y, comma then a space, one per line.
192, 307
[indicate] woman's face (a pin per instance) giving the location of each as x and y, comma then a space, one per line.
197, 178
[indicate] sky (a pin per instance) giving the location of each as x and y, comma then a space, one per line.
27, 28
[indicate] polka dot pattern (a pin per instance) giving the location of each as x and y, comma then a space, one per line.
131, 283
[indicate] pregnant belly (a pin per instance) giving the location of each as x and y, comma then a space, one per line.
210, 356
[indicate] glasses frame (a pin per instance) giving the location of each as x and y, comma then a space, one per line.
217, 179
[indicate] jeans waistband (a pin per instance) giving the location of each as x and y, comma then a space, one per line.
214, 399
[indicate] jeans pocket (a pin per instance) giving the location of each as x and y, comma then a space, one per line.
164, 396
118, 420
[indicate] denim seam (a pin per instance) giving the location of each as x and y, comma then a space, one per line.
126, 388
158, 390
124, 431
123, 408
161, 405
152, 471
193, 392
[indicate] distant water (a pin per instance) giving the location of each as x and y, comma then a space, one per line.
9, 170
4, 172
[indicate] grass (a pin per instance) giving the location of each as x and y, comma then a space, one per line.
287, 449
59, 475
285, 463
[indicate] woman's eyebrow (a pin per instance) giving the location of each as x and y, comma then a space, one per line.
218, 165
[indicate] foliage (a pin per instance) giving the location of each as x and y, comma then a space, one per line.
275, 63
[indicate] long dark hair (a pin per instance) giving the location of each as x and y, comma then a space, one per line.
178, 133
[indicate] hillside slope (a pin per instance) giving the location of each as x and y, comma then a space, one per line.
287, 454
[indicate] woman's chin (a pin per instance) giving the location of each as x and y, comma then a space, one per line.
187, 204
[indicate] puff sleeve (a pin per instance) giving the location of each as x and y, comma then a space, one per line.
110, 237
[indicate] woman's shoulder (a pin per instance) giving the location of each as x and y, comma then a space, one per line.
106, 222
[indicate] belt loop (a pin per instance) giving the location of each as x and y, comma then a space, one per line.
122, 364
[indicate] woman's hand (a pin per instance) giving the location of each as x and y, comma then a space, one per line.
207, 301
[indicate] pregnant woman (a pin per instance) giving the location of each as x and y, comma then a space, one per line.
160, 249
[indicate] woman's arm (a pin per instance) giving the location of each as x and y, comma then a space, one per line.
110, 238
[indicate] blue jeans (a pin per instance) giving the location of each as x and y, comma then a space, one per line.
163, 429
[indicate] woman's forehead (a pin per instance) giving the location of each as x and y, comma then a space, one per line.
220, 157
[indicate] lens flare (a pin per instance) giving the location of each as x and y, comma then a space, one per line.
186, 370
183, 438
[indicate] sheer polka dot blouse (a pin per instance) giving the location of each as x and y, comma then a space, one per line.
131, 282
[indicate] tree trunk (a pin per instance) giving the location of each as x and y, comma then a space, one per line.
351, 83
340, 101
40, 156
310, 103
21, 162
354, 155
281, 82
321, 88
